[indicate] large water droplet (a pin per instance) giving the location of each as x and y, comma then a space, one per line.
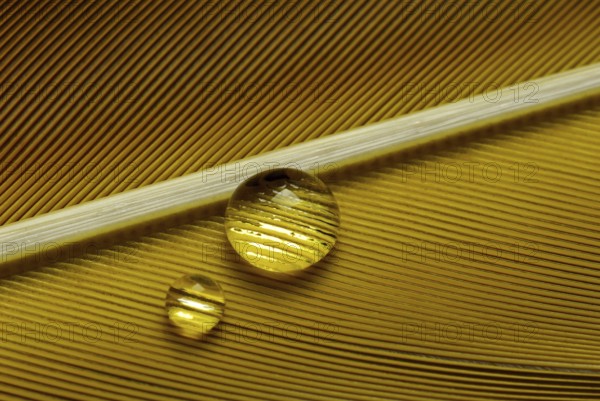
282, 220
195, 304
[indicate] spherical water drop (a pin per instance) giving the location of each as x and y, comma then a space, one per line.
282, 220
195, 304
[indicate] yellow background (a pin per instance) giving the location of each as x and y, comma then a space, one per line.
156, 90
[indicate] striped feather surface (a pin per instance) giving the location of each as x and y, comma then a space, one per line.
463, 271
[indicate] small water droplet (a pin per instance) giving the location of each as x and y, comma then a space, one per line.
282, 220
195, 304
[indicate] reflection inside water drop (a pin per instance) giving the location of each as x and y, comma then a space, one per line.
282, 220
195, 304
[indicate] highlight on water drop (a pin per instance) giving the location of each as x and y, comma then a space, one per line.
195, 304
282, 220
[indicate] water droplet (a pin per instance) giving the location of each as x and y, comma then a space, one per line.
282, 220
195, 304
